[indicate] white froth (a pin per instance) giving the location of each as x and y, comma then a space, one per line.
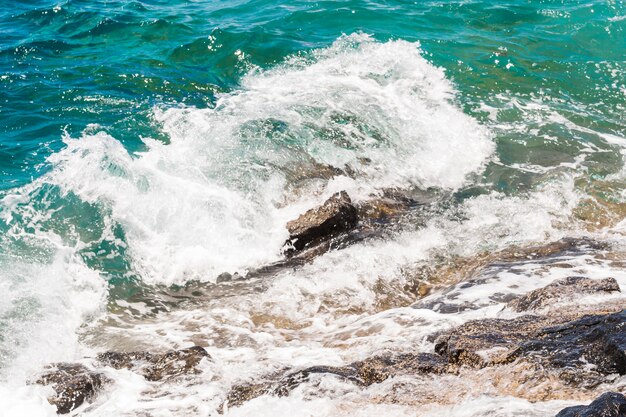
217, 197
212, 200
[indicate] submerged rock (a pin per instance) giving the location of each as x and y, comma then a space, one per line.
579, 351
453, 277
336, 215
364, 373
609, 404
155, 367
384, 209
563, 289
73, 384
372, 370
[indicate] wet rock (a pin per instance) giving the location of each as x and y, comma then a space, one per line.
609, 404
336, 215
481, 343
379, 368
599, 340
591, 345
364, 373
371, 370
73, 384
563, 289
579, 351
442, 307
223, 277
455, 276
155, 367
240, 394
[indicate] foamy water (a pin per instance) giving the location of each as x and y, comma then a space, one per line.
216, 197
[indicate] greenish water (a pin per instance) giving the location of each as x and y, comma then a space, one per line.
66, 65
152, 143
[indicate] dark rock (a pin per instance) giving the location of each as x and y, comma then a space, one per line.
364, 373
371, 370
379, 368
595, 339
73, 384
383, 210
562, 289
568, 344
155, 367
609, 404
485, 342
336, 215
240, 394
554, 342
223, 277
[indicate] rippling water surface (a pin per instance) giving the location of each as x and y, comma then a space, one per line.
146, 147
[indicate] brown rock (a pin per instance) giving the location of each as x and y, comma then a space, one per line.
554, 342
73, 384
364, 373
336, 215
486, 342
609, 404
563, 289
155, 367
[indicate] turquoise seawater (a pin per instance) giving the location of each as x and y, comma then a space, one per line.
67, 65
154, 143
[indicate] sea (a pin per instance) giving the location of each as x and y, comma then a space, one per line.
146, 147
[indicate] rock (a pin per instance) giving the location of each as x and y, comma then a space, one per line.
371, 370
383, 210
609, 404
336, 215
240, 394
599, 340
223, 277
364, 373
379, 368
582, 351
563, 289
554, 342
155, 367
73, 384
485, 342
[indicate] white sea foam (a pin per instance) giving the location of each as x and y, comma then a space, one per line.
212, 200
42, 306
326, 312
216, 198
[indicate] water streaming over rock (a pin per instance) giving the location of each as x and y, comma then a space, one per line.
151, 149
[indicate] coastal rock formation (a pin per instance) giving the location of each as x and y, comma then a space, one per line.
364, 373
486, 342
73, 384
484, 270
567, 344
336, 215
599, 340
155, 367
563, 289
383, 210
335, 224
609, 404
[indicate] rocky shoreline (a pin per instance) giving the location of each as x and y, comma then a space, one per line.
581, 347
